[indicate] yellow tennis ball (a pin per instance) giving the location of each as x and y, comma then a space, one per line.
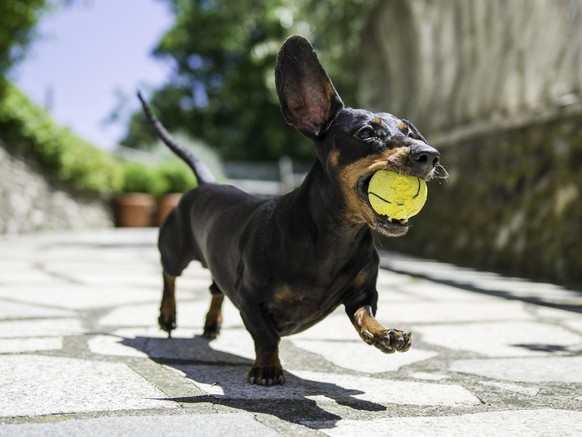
395, 195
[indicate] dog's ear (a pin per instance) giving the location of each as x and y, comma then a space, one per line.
308, 99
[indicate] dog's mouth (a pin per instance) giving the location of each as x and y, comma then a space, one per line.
386, 225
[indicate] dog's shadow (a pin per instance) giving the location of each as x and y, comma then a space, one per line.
221, 379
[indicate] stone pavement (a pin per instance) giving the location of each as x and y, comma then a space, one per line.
80, 353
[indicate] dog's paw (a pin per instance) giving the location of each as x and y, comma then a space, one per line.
389, 340
167, 322
211, 330
266, 375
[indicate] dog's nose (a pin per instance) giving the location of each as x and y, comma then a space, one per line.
423, 156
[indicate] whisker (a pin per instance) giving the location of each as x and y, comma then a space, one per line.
440, 173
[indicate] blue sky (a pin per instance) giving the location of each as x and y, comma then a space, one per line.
90, 52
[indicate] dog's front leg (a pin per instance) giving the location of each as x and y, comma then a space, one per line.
372, 332
267, 369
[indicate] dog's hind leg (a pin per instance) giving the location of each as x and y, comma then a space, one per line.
175, 255
167, 319
214, 315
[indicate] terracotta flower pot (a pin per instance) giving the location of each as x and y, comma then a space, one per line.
166, 204
134, 210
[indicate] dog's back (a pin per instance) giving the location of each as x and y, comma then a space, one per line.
206, 213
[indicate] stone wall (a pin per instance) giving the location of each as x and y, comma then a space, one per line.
445, 64
31, 201
495, 85
511, 204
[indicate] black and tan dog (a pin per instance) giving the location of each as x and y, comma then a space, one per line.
288, 262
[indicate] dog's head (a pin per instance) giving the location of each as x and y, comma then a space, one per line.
351, 144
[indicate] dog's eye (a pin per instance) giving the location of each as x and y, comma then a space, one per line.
365, 132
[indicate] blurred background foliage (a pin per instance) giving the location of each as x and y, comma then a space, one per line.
29, 131
221, 92
17, 22
222, 88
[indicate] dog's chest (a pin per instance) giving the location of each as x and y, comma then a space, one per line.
296, 308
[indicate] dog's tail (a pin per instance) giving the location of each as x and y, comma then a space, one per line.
201, 171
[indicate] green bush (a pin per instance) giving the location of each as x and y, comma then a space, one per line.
177, 177
18, 20
140, 178
30, 131
168, 177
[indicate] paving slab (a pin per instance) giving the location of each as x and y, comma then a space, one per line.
548, 369
81, 352
77, 296
503, 339
42, 327
52, 385
20, 345
230, 383
529, 391
14, 310
447, 312
434, 292
155, 344
191, 313
574, 324
169, 426
351, 355
546, 423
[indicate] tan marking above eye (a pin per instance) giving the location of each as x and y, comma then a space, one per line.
377, 121
402, 126
333, 158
